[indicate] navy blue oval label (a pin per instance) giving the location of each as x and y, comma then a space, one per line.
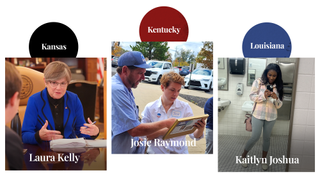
266, 40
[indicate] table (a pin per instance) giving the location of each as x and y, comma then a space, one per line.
41, 157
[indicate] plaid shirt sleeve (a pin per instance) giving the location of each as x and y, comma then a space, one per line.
256, 94
265, 108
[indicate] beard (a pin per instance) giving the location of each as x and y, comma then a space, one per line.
131, 82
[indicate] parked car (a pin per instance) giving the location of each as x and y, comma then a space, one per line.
152, 63
184, 71
199, 78
114, 60
179, 67
155, 73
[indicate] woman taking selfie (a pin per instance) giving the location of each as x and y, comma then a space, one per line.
267, 93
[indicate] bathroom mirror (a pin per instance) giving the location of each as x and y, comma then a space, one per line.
255, 69
223, 76
232, 136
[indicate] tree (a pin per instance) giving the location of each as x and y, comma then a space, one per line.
176, 63
152, 50
117, 50
169, 59
183, 55
205, 56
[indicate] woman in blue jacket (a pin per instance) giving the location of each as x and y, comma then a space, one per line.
54, 112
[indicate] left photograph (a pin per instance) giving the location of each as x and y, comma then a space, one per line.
55, 114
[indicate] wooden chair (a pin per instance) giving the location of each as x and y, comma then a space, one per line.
87, 92
32, 82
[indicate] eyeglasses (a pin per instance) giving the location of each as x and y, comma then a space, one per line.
54, 84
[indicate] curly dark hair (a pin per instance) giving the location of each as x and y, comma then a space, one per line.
278, 81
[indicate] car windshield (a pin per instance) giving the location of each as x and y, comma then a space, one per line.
158, 65
185, 68
152, 63
202, 72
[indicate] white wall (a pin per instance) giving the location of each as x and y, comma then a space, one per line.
303, 130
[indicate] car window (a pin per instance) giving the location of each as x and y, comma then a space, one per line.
158, 65
202, 72
152, 63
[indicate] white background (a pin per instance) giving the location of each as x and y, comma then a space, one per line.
97, 23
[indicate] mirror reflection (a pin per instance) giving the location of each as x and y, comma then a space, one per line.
255, 69
223, 74
231, 116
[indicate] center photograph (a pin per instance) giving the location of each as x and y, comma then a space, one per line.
162, 97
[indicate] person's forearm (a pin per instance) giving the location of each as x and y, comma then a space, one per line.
146, 129
198, 133
158, 133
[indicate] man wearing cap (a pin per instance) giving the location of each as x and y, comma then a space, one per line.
126, 127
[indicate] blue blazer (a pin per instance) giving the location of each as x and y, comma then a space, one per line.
38, 111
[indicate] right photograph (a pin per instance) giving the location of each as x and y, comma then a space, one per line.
266, 114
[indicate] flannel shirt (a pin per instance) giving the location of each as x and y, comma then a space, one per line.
266, 108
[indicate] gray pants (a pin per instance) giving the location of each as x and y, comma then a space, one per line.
257, 125
209, 141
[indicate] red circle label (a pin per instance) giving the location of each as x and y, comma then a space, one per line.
163, 24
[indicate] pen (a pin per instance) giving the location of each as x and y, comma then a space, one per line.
92, 123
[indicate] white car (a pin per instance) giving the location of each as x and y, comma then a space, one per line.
159, 68
200, 78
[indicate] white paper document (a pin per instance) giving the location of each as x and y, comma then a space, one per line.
96, 143
76, 143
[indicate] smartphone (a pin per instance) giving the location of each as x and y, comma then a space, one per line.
270, 88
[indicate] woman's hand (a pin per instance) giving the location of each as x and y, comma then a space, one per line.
89, 129
267, 93
47, 135
274, 95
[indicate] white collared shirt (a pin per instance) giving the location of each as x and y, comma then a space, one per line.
154, 111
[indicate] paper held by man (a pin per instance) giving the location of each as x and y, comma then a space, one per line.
183, 126
76, 143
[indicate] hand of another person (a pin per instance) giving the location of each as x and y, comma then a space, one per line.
89, 129
267, 93
274, 95
48, 135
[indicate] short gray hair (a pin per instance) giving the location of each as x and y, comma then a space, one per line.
57, 70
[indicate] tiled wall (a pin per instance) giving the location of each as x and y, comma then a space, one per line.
231, 119
303, 130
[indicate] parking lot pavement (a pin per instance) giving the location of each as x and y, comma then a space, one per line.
147, 92
196, 92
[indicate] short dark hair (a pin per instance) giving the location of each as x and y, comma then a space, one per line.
13, 81
119, 69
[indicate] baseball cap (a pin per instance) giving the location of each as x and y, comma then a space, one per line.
133, 58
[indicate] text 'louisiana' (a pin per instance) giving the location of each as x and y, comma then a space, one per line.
266, 46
